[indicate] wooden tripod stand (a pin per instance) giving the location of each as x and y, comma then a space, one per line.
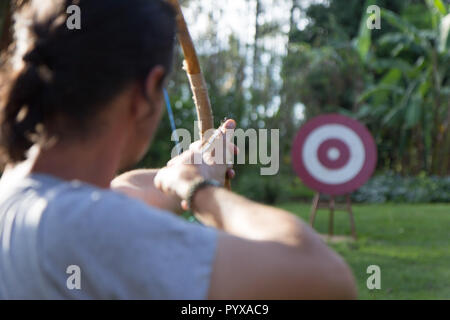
333, 206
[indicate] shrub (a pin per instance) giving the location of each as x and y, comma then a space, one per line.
391, 187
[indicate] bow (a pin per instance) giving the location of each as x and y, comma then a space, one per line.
194, 72
195, 75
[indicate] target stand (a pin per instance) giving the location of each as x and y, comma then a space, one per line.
334, 155
333, 206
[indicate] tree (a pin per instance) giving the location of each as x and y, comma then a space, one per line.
410, 99
394, 79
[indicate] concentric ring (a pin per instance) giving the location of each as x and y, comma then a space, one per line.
334, 154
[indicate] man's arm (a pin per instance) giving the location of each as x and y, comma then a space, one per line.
267, 253
139, 184
262, 252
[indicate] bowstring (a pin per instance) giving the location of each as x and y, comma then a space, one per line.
175, 136
172, 122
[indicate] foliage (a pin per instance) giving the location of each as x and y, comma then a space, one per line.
386, 187
330, 79
395, 80
391, 187
407, 105
333, 22
270, 189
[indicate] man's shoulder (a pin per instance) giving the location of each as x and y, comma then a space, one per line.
78, 205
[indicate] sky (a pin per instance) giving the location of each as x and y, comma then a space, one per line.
238, 17
234, 16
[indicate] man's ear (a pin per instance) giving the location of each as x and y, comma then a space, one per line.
154, 83
149, 95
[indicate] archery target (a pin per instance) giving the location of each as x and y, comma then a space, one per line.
334, 154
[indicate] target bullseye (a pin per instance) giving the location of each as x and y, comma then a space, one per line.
334, 154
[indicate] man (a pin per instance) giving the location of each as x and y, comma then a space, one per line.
80, 107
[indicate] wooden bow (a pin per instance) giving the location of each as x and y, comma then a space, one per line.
194, 72
195, 75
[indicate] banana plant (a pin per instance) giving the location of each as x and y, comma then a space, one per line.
410, 98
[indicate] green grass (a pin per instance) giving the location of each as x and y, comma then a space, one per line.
410, 243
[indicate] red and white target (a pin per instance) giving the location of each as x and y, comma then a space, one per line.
334, 154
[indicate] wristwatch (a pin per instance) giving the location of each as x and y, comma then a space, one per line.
199, 185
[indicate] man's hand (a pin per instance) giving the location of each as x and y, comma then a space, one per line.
141, 184
210, 161
256, 244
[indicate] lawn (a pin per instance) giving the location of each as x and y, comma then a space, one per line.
410, 243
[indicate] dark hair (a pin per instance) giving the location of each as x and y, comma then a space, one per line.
72, 74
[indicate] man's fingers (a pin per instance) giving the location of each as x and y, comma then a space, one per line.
173, 161
231, 174
158, 181
221, 140
228, 130
187, 155
196, 146
184, 205
230, 124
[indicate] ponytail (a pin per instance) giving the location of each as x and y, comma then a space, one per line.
22, 113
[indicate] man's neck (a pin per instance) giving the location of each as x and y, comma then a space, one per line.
95, 163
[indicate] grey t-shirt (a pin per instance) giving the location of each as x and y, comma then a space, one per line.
57, 236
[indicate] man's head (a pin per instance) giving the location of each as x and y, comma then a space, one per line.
75, 85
